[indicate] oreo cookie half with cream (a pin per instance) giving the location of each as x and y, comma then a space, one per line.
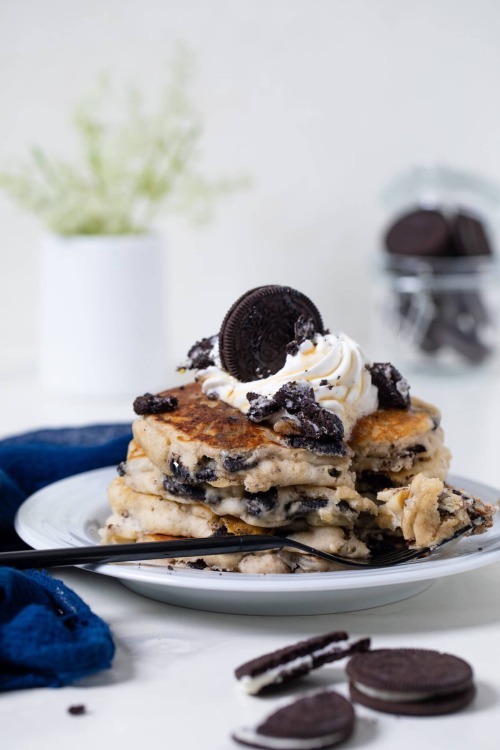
286, 664
410, 681
317, 721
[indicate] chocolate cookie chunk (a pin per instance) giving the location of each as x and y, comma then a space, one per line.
413, 682
279, 667
306, 417
259, 325
393, 389
318, 721
304, 330
154, 404
200, 356
421, 233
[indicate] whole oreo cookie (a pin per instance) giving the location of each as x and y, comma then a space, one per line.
421, 233
258, 327
321, 720
413, 682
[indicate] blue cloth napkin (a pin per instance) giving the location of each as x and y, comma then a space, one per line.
32, 460
49, 637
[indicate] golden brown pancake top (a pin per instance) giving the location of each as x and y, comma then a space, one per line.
212, 421
223, 427
390, 425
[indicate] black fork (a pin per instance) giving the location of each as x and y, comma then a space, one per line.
112, 553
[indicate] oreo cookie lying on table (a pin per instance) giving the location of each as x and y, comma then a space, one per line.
286, 664
316, 721
410, 681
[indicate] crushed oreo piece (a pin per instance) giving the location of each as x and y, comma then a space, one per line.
304, 330
206, 474
193, 491
77, 710
197, 564
154, 404
261, 503
200, 356
393, 389
121, 469
261, 407
221, 531
181, 472
315, 421
321, 447
306, 504
238, 463
372, 482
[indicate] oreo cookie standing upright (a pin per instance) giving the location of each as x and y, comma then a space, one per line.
258, 327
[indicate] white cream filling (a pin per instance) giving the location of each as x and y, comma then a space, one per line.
251, 737
334, 365
392, 695
253, 685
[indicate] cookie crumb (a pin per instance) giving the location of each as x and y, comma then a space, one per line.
200, 356
77, 710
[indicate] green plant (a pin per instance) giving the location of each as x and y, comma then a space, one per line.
129, 168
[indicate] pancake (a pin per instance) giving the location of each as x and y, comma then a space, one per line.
206, 440
279, 506
391, 446
429, 511
206, 469
288, 429
142, 517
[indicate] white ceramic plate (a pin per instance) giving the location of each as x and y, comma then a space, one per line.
70, 512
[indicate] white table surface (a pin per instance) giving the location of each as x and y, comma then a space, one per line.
172, 684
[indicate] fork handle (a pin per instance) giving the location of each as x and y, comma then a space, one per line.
108, 553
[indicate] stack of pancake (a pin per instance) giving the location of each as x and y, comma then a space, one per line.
288, 430
203, 469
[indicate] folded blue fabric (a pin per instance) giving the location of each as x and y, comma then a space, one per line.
32, 460
48, 636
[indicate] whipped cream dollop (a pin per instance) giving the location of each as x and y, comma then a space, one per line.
333, 364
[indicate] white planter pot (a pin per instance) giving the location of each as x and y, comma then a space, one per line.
102, 319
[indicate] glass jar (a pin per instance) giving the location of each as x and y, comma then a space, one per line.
440, 314
437, 287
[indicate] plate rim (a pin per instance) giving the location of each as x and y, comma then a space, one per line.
223, 582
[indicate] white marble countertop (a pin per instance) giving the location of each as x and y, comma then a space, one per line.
172, 680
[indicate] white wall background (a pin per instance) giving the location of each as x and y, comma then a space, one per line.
322, 101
